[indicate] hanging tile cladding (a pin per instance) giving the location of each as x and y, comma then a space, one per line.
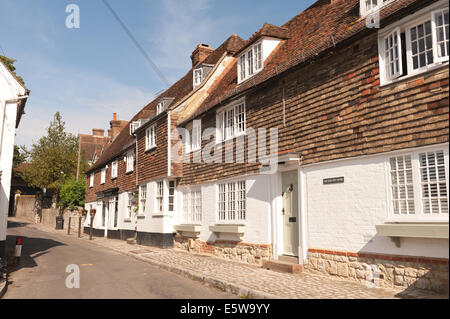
124, 181
153, 164
335, 109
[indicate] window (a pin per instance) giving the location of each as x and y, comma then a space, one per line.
198, 77
150, 137
103, 176
232, 202
130, 162
369, 6
159, 108
231, 121
193, 141
142, 199
192, 207
433, 183
419, 188
131, 205
160, 197
250, 62
114, 169
171, 196
440, 35
414, 46
91, 180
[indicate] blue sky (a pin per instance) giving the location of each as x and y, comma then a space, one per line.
91, 72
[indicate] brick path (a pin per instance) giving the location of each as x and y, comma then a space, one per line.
247, 280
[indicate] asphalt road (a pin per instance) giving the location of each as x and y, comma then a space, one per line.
103, 273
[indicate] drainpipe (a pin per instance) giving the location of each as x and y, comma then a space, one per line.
303, 249
273, 217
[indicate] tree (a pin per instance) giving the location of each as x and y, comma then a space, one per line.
20, 155
10, 65
72, 193
53, 158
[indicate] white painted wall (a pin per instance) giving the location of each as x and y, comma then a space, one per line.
343, 216
9, 89
258, 219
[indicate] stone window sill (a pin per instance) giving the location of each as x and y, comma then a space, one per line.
190, 229
413, 230
229, 229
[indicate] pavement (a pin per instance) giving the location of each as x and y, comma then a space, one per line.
239, 279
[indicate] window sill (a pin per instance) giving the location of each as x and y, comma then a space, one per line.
113, 178
150, 149
437, 66
414, 230
127, 220
140, 216
191, 229
232, 138
229, 229
129, 172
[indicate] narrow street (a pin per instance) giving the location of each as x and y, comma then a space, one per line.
103, 273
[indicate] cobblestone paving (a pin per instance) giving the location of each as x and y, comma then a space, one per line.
269, 283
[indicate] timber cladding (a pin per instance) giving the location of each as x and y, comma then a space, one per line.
153, 164
334, 108
124, 182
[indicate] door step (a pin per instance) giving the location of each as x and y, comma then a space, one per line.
282, 266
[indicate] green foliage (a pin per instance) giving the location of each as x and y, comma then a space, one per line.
20, 155
10, 65
53, 158
72, 193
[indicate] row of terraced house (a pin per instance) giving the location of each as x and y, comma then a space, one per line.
322, 142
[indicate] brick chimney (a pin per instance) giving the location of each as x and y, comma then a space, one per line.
201, 52
116, 127
98, 132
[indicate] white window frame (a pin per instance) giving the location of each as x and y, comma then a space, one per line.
419, 215
114, 169
91, 180
160, 185
227, 115
131, 205
171, 196
103, 176
192, 207
130, 162
143, 191
232, 202
438, 59
395, 35
248, 64
197, 77
159, 108
193, 138
405, 25
380, 4
150, 137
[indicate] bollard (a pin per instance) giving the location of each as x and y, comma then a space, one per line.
18, 250
79, 227
68, 227
92, 224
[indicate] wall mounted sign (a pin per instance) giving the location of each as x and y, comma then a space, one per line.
334, 180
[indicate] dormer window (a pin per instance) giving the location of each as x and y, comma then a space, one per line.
160, 108
370, 6
134, 126
250, 62
198, 77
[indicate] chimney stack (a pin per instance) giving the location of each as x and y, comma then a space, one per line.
116, 127
98, 132
201, 52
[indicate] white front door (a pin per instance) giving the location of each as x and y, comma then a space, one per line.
289, 188
113, 204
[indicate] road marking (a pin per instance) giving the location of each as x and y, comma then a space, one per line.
87, 265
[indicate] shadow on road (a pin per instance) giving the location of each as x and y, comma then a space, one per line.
31, 249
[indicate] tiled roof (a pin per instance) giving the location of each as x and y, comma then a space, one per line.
91, 144
177, 91
268, 30
322, 26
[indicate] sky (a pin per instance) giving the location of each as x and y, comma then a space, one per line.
88, 73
